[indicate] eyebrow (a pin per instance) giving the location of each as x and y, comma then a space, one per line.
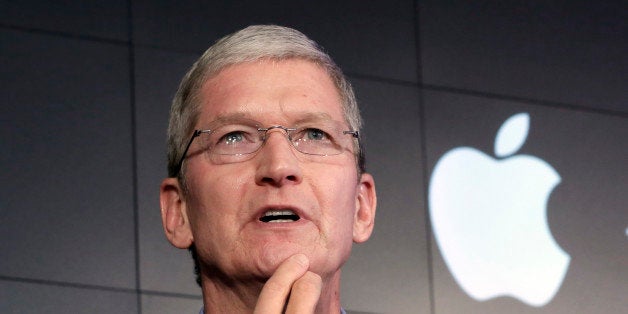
314, 117
306, 117
228, 118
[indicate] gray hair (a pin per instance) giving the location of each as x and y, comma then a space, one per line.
249, 44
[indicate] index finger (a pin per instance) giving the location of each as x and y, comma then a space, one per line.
275, 292
304, 294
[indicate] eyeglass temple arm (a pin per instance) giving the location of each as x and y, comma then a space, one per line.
185, 151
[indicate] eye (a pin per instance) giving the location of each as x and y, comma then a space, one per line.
315, 134
232, 138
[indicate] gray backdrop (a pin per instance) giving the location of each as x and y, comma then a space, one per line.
86, 87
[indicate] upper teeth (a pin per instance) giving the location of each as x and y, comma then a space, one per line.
278, 213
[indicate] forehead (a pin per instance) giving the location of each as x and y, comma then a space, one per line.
271, 91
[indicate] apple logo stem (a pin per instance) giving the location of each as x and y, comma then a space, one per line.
489, 218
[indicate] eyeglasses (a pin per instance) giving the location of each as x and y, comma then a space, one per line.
237, 141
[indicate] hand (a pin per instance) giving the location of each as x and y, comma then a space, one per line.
292, 279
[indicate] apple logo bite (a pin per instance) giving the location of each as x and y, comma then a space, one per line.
489, 217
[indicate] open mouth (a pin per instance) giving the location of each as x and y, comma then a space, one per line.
284, 215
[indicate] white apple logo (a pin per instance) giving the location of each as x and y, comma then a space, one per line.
490, 222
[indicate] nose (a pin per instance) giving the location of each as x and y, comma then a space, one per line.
277, 162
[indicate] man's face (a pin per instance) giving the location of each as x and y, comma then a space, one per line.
225, 201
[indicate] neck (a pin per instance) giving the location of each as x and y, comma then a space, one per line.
220, 296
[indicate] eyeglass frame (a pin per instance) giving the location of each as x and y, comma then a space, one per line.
197, 132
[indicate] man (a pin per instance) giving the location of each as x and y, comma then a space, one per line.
266, 179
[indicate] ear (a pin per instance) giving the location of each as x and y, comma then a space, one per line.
365, 205
174, 214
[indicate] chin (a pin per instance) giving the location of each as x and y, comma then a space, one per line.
271, 256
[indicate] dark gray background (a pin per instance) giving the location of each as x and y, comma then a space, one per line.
86, 88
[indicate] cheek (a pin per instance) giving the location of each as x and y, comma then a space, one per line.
212, 185
337, 198
214, 197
